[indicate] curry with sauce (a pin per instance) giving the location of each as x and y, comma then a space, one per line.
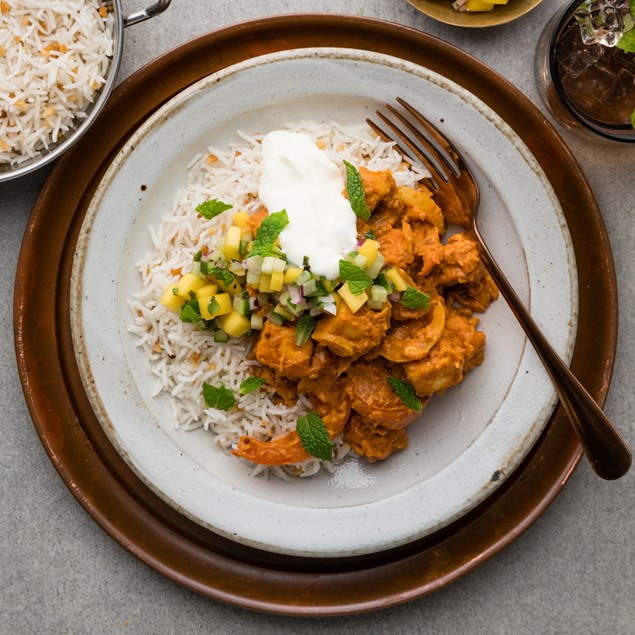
344, 366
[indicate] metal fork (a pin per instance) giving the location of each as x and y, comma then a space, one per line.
457, 192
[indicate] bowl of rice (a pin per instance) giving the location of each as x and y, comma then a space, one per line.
58, 64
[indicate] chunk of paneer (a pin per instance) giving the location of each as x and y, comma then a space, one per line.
412, 340
277, 349
420, 206
388, 215
460, 348
463, 271
349, 334
427, 247
377, 184
461, 262
476, 296
373, 398
374, 443
397, 246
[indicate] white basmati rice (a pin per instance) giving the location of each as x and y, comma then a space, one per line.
181, 357
54, 55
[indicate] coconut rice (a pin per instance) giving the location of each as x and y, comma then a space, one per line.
181, 357
54, 55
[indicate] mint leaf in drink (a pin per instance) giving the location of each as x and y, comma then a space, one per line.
405, 392
213, 207
415, 299
314, 436
250, 384
627, 42
303, 329
218, 397
355, 191
356, 277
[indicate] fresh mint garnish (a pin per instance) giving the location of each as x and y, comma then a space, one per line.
271, 227
303, 329
218, 397
415, 299
314, 436
357, 278
355, 191
189, 312
213, 207
250, 384
222, 274
266, 249
213, 306
267, 233
405, 392
627, 42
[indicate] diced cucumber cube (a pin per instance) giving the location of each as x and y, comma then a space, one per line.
221, 336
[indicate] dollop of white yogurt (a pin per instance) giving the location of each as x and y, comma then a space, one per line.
298, 177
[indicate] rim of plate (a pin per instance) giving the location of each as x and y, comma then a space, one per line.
328, 549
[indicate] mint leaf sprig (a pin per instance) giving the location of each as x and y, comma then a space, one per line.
405, 392
212, 208
314, 436
355, 191
358, 280
267, 233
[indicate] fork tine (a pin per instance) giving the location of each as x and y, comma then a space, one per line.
436, 177
421, 157
453, 158
434, 155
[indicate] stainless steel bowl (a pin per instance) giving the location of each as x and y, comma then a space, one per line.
118, 23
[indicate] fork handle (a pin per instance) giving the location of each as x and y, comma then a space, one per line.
605, 449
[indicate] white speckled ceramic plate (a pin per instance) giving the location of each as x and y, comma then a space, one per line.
466, 442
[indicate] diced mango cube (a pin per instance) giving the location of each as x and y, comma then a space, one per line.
396, 278
478, 5
232, 243
265, 283
188, 282
277, 280
241, 219
329, 285
224, 305
285, 313
208, 289
235, 324
354, 302
170, 300
291, 274
369, 249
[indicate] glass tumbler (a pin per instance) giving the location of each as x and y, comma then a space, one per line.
588, 88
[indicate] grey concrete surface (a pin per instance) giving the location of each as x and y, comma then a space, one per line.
572, 572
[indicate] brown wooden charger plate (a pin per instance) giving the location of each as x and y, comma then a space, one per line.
145, 525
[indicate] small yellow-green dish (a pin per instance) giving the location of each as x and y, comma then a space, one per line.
442, 11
